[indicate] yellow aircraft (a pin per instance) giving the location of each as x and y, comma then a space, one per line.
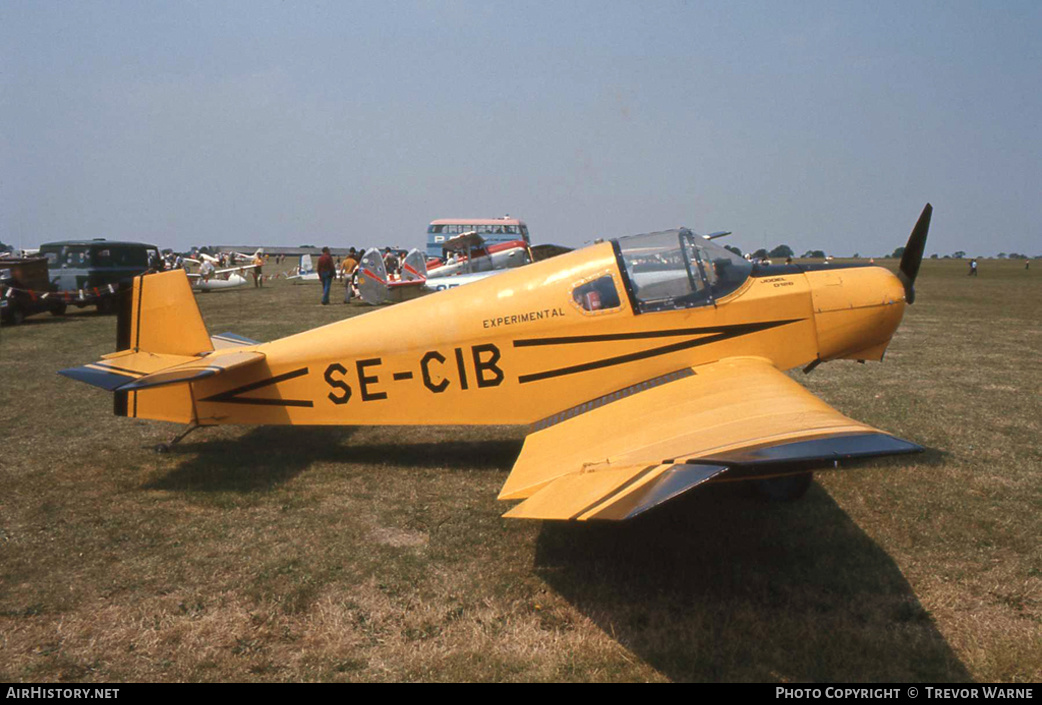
646, 366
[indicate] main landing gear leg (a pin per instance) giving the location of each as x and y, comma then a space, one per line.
165, 447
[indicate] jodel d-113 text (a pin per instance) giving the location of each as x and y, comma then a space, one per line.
646, 366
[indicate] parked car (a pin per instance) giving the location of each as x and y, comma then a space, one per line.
93, 264
23, 283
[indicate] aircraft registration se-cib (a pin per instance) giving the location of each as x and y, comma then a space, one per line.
646, 366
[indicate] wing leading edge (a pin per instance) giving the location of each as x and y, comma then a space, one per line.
622, 454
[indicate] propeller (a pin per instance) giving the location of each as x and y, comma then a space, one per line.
913, 254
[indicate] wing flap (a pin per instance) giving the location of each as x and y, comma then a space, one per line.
616, 493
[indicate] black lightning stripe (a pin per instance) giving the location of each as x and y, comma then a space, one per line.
232, 395
640, 335
717, 334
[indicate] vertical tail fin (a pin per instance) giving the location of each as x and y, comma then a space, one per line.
160, 315
414, 268
372, 278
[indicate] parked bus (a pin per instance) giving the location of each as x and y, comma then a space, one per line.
492, 230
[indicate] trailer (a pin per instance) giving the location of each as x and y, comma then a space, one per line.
26, 289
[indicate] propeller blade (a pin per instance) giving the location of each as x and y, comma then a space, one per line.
913, 254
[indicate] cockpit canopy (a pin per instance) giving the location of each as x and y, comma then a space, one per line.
678, 269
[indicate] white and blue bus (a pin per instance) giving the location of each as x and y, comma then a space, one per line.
492, 230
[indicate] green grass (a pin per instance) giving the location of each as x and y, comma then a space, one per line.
283, 554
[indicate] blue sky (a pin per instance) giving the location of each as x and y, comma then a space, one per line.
820, 125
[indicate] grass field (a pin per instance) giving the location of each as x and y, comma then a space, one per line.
284, 554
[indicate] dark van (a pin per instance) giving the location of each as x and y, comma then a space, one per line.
86, 264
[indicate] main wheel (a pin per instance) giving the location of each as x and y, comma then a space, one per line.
787, 488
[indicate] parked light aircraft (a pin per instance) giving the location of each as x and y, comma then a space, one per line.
231, 257
647, 366
376, 287
468, 253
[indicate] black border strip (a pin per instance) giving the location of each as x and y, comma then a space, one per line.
617, 395
774, 270
140, 297
626, 283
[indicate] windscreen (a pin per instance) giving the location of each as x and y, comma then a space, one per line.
678, 269
725, 271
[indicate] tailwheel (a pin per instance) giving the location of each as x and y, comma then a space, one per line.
165, 447
787, 488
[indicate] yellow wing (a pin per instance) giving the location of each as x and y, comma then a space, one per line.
619, 455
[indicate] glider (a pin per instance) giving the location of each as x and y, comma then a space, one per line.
220, 279
306, 272
647, 366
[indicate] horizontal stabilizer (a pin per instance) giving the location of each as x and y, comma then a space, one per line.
133, 371
195, 370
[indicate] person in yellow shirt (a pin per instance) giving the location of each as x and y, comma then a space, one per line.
258, 262
347, 271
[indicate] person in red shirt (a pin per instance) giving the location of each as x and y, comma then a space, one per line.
326, 272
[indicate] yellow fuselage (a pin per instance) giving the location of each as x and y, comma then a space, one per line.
516, 348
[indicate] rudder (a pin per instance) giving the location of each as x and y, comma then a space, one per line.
162, 316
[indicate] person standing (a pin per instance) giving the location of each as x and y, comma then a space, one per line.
391, 263
206, 270
973, 267
347, 271
258, 263
326, 272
